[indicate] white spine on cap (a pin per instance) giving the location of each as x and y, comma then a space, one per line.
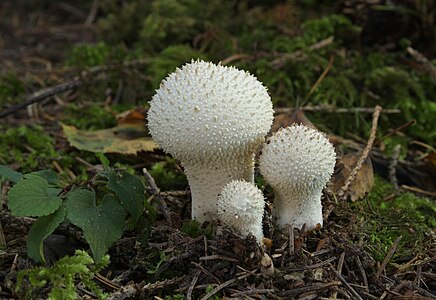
297, 162
211, 118
240, 207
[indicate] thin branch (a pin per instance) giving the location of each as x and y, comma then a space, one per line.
392, 169
345, 283
41, 95
320, 79
223, 285
365, 153
388, 257
332, 109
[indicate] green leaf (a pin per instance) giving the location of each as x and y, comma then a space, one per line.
7, 173
40, 230
102, 224
104, 160
33, 196
130, 190
49, 175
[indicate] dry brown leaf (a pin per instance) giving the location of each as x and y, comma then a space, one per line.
363, 182
287, 119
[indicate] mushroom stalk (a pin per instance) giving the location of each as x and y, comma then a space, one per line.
206, 181
297, 207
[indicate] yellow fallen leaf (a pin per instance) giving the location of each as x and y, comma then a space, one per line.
123, 139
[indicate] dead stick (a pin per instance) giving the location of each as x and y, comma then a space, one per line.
340, 110
223, 285
362, 272
345, 283
339, 269
192, 285
321, 77
365, 153
156, 192
388, 256
41, 95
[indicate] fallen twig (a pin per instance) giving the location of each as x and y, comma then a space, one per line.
310, 288
362, 272
388, 257
309, 267
332, 109
41, 95
420, 58
279, 62
392, 169
223, 285
321, 77
192, 285
156, 192
365, 153
345, 283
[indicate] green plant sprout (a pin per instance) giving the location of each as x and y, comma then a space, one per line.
61, 277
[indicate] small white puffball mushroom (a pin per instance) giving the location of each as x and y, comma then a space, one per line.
240, 207
211, 118
297, 162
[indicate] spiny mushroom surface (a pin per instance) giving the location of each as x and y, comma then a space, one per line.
240, 207
297, 162
211, 118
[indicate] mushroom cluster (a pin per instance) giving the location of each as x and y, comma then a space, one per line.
211, 118
297, 162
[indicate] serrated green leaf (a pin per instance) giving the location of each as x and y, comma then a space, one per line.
7, 173
33, 197
130, 190
49, 175
40, 230
102, 224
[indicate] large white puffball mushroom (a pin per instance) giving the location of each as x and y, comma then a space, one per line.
211, 118
297, 162
240, 207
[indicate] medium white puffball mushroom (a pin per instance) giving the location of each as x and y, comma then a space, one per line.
297, 162
240, 207
211, 118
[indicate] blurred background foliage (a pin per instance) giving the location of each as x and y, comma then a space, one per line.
368, 69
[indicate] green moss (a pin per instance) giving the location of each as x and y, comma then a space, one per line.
387, 216
195, 229
11, 89
92, 117
166, 177
28, 146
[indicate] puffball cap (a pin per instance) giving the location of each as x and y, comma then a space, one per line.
205, 110
240, 204
297, 156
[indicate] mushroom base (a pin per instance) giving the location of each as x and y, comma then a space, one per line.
206, 181
297, 209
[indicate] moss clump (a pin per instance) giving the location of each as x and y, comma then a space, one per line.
11, 89
166, 177
28, 146
386, 216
